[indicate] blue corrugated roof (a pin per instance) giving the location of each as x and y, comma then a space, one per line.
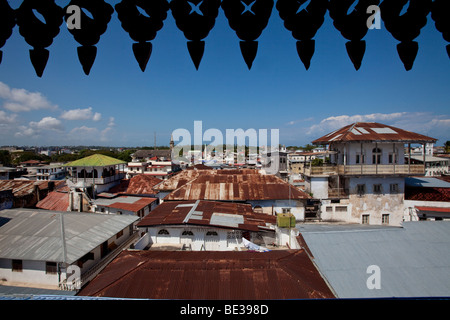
427, 182
414, 260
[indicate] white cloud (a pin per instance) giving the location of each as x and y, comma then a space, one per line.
7, 119
85, 132
105, 134
332, 123
36, 128
426, 123
47, 123
81, 114
21, 100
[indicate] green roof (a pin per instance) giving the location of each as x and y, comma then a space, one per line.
96, 160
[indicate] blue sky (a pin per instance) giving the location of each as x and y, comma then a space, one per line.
119, 105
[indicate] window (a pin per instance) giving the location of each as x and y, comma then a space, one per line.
119, 234
341, 208
361, 189
211, 233
17, 265
376, 156
163, 232
187, 233
385, 219
377, 188
360, 158
329, 209
50, 268
393, 188
365, 219
286, 210
392, 158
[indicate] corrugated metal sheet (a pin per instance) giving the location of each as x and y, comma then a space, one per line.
185, 176
213, 213
141, 184
36, 234
22, 188
241, 187
128, 203
57, 201
281, 274
372, 131
414, 261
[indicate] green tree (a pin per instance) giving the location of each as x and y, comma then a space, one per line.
125, 155
447, 146
5, 157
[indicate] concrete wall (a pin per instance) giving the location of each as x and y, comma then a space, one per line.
376, 204
226, 239
272, 207
318, 186
352, 149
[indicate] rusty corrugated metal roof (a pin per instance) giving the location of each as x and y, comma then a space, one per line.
139, 185
57, 201
212, 213
210, 275
185, 176
237, 187
372, 131
22, 188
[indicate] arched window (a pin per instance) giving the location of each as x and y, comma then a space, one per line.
376, 156
82, 174
211, 233
187, 233
258, 209
163, 232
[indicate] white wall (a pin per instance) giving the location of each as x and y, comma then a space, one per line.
352, 149
33, 274
226, 239
318, 186
375, 205
272, 207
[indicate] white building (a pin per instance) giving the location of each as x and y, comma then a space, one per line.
206, 225
52, 172
44, 249
364, 181
97, 171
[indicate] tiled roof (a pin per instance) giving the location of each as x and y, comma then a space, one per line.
95, 160
208, 213
212, 275
427, 194
372, 131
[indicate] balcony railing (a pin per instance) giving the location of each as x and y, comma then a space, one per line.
106, 180
380, 169
338, 193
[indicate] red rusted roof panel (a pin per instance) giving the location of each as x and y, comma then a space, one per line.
241, 187
372, 131
280, 274
175, 212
